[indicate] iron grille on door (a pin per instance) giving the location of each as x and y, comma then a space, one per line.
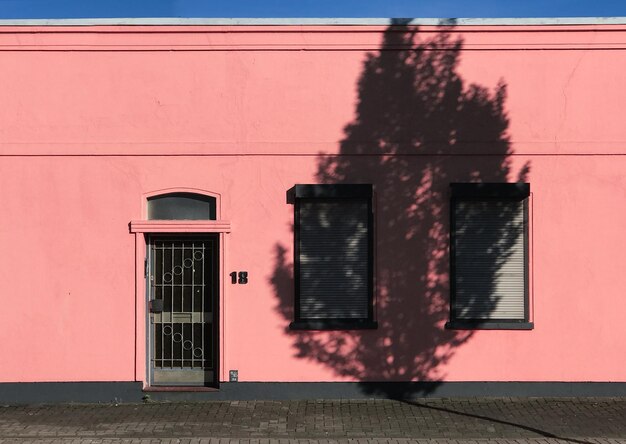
183, 283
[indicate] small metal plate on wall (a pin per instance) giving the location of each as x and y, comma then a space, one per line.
233, 375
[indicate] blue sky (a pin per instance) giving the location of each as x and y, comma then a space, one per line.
15, 9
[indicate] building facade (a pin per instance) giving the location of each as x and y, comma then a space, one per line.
221, 209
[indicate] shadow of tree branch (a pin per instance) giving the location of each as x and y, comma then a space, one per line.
539, 432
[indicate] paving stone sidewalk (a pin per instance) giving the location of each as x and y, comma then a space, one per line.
475, 420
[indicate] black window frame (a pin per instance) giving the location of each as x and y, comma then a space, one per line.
333, 193
463, 192
169, 203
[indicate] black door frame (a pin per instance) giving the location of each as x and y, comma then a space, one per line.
214, 266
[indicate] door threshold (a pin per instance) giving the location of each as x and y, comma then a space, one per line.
179, 389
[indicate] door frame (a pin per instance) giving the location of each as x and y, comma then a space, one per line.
143, 228
215, 300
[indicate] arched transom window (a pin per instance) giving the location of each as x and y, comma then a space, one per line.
181, 206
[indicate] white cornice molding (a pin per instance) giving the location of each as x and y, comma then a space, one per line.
166, 21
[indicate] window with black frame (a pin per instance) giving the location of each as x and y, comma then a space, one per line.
489, 256
181, 206
333, 261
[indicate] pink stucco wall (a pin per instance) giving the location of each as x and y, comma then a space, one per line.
93, 119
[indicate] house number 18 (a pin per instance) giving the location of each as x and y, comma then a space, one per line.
239, 277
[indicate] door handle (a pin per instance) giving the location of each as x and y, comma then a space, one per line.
156, 305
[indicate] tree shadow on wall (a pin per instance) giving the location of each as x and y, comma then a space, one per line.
417, 129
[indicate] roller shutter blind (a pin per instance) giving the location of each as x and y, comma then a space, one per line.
334, 260
490, 258
333, 253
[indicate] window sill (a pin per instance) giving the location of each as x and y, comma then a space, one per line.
489, 325
334, 324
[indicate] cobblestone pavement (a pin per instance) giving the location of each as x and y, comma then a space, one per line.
476, 420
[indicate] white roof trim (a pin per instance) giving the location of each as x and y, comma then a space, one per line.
316, 21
